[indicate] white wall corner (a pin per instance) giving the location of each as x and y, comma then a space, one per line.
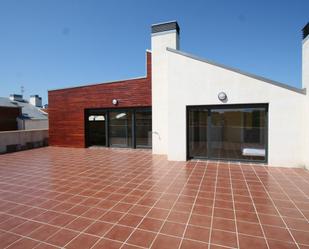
305, 63
160, 41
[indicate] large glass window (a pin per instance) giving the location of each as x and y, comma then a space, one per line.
130, 127
143, 128
120, 128
234, 132
96, 129
198, 132
238, 133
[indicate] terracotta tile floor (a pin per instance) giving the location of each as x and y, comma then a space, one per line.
117, 198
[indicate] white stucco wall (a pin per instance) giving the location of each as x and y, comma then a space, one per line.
159, 43
305, 63
305, 81
193, 82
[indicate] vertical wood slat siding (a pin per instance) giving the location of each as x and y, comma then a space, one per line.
66, 106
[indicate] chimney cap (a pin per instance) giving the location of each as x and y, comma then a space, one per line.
306, 31
165, 26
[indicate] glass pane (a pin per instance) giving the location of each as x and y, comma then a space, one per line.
96, 130
96, 118
120, 128
143, 128
198, 133
238, 133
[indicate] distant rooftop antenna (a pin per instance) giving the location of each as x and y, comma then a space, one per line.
22, 90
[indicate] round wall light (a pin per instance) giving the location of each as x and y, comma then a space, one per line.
115, 101
222, 96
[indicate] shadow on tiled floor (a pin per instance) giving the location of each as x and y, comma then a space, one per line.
109, 198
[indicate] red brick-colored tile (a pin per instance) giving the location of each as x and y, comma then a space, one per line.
79, 224
172, 228
277, 233
107, 244
26, 228
130, 220
197, 233
223, 238
301, 237
43, 232
166, 242
120, 233
24, 243
224, 224
7, 238
251, 242
141, 238
98, 228
276, 244
75, 187
62, 237
200, 220
190, 244
150, 224
253, 229
82, 241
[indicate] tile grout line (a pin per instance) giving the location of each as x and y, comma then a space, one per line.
213, 205
110, 209
31, 220
170, 210
286, 226
150, 184
289, 196
253, 203
136, 227
134, 205
141, 197
192, 208
152, 208
234, 207
63, 227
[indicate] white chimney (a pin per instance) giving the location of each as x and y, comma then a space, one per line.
163, 36
305, 56
36, 100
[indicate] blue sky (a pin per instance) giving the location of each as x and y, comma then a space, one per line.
53, 44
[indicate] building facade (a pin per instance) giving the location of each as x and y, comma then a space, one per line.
189, 108
8, 117
22, 114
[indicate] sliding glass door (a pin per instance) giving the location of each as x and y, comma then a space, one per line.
130, 127
235, 132
120, 128
198, 132
96, 128
143, 128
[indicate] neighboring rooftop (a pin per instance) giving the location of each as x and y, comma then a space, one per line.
28, 111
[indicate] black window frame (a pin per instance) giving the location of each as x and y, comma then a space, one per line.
96, 111
226, 106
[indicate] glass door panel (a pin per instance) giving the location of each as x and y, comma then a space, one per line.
198, 132
120, 128
143, 129
238, 134
96, 129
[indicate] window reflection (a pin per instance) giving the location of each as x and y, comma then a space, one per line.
233, 133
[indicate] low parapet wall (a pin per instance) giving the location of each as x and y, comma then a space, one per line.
11, 141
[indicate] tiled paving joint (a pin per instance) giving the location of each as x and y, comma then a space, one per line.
111, 198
